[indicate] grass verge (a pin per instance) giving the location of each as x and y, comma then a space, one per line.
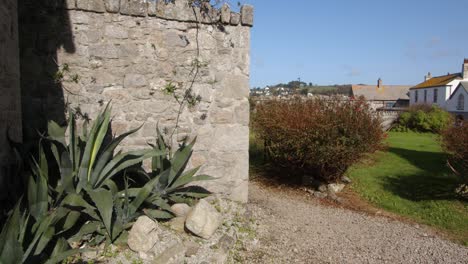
411, 179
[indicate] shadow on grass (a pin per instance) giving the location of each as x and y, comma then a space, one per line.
434, 182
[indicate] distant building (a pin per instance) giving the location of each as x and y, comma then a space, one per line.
447, 91
383, 96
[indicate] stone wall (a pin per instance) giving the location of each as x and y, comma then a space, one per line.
127, 52
10, 97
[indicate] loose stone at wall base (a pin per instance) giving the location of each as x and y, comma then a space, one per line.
203, 220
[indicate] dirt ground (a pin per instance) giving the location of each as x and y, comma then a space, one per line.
295, 227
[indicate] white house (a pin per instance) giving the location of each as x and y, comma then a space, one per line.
447, 91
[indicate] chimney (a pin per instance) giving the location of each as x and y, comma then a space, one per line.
465, 69
428, 76
379, 83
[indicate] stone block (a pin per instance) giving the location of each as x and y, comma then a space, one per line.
225, 14
229, 138
115, 31
247, 13
143, 235
106, 51
242, 113
112, 6
69, 4
203, 220
180, 10
232, 86
152, 7
133, 7
180, 209
91, 5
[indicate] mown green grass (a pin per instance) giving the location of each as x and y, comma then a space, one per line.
411, 178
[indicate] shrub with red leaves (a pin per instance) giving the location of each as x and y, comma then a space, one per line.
319, 137
455, 142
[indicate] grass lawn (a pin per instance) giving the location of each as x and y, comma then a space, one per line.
410, 178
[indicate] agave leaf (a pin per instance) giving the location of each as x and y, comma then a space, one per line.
62, 251
123, 161
102, 198
131, 192
110, 184
70, 220
91, 146
11, 250
99, 140
87, 228
44, 166
158, 164
163, 181
73, 147
193, 191
142, 195
38, 194
66, 173
59, 257
158, 214
159, 202
75, 200
106, 156
189, 177
117, 229
23, 225
42, 226
56, 132
179, 161
44, 240
180, 199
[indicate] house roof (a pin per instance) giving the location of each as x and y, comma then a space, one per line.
384, 93
438, 81
462, 85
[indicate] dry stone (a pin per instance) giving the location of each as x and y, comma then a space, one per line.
203, 220
336, 187
225, 14
247, 15
143, 235
112, 6
180, 209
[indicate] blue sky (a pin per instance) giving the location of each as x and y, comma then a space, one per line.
357, 41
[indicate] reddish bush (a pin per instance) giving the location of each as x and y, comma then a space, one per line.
455, 141
320, 137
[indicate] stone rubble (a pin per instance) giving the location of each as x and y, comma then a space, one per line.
203, 220
152, 242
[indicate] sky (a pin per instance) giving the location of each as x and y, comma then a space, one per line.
356, 41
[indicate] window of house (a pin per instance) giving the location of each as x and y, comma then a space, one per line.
415, 96
425, 95
461, 102
436, 91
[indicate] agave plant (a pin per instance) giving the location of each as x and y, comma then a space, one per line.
170, 177
32, 234
84, 161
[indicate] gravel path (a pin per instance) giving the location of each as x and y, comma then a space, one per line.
295, 229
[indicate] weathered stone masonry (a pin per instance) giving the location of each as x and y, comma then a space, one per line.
127, 51
10, 106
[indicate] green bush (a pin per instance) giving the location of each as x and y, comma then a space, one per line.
86, 192
424, 118
319, 137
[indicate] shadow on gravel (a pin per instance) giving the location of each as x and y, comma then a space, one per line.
434, 182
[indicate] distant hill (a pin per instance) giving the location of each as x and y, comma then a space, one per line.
297, 87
